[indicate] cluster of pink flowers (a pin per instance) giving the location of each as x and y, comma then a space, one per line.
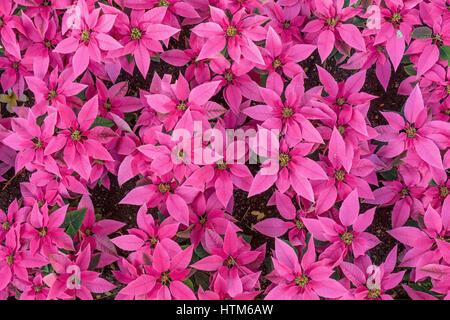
238, 69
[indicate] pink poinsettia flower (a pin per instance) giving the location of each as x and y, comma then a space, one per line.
223, 170
180, 100
32, 289
384, 279
307, 279
57, 94
207, 215
13, 77
231, 258
175, 8
425, 52
283, 58
418, 134
220, 288
87, 41
141, 33
276, 227
374, 54
30, 140
290, 116
163, 278
397, 21
329, 29
64, 181
79, 141
427, 245
148, 234
295, 169
198, 70
285, 20
165, 193
44, 37
73, 279
346, 233
14, 259
235, 81
95, 233
237, 35
14, 217
402, 194
113, 100
45, 232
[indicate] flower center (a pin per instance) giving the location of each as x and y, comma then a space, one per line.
332, 21
276, 63
46, 3
341, 129
411, 132
37, 143
48, 44
374, 293
301, 281
163, 3
76, 135
164, 187
347, 238
287, 112
443, 192
6, 225
231, 31
107, 105
340, 101
52, 94
136, 34
447, 89
37, 288
43, 232
396, 17
165, 278
228, 76
221, 166
181, 106
339, 175
10, 259
86, 35
404, 192
230, 262
286, 24
447, 112
284, 159
202, 221
15, 65
300, 225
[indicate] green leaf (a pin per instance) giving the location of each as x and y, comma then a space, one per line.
247, 238
102, 122
202, 279
422, 33
73, 221
189, 283
409, 69
156, 59
71, 231
444, 52
129, 57
433, 183
201, 252
390, 174
94, 261
263, 80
